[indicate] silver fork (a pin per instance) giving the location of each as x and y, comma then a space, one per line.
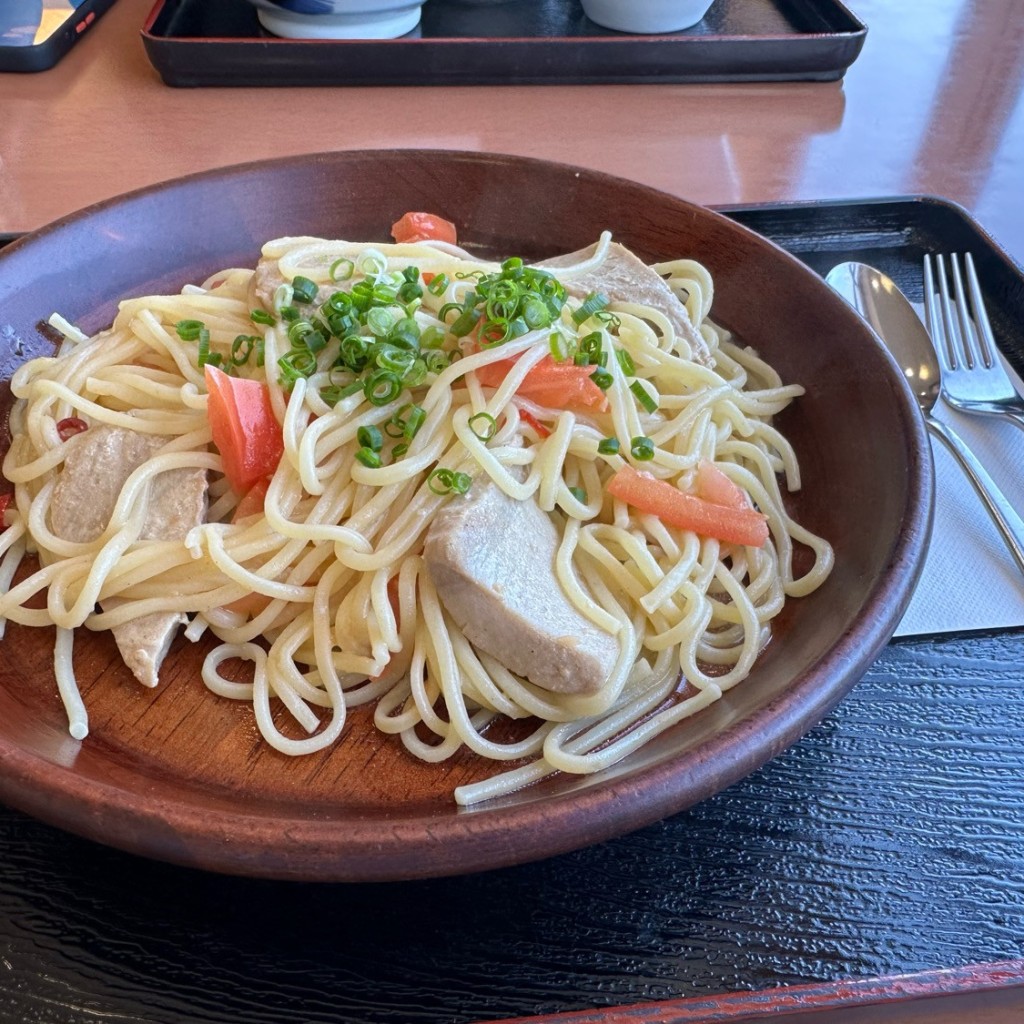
973, 378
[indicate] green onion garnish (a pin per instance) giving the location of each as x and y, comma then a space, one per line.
643, 396
438, 284
464, 323
642, 448
188, 330
370, 437
342, 269
296, 363
303, 289
283, 295
593, 303
380, 321
608, 446
487, 428
205, 355
259, 316
242, 348
381, 387
559, 345
603, 379
413, 422
626, 362
579, 494
369, 458
399, 450
446, 481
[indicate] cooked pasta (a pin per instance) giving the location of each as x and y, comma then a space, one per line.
318, 572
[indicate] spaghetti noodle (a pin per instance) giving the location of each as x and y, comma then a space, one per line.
316, 575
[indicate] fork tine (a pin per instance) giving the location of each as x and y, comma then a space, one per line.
983, 329
933, 319
954, 339
976, 350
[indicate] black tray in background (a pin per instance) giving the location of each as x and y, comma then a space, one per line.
519, 42
893, 235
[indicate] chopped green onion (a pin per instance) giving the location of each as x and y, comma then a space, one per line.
416, 374
643, 396
205, 355
579, 494
438, 284
559, 345
446, 481
289, 313
626, 362
283, 295
381, 387
608, 446
436, 361
609, 319
259, 316
334, 393
369, 458
413, 421
354, 352
399, 450
642, 448
380, 321
189, 330
593, 303
342, 269
406, 333
295, 364
488, 425
303, 289
370, 437
432, 337
464, 323
603, 379
242, 348
398, 360
409, 291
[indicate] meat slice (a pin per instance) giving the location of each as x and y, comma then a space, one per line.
98, 463
623, 277
492, 560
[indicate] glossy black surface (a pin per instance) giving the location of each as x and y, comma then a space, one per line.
193, 42
889, 840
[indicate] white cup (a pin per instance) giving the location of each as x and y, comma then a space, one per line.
646, 16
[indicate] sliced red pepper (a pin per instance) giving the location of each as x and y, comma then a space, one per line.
422, 227
244, 428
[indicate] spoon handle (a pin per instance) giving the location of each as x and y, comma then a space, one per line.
1010, 525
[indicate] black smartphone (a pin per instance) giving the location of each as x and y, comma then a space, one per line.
35, 34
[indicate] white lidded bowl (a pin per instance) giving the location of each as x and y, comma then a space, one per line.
338, 19
646, 16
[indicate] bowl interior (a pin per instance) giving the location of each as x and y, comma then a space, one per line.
181, 775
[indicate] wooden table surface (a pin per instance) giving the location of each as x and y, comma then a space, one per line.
932, 104
890, 840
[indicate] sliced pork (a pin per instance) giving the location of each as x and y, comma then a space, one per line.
98, 463
492, 560
623, 277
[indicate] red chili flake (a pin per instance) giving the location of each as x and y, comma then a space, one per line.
532, 421
70, 426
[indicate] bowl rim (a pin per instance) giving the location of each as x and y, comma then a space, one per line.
483, 835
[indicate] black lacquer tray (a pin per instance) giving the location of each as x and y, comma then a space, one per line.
519, 42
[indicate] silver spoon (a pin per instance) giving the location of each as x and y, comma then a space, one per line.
888, 311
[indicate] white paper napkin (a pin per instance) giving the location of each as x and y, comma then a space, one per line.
970, 581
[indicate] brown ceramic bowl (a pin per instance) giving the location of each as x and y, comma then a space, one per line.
181, 775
